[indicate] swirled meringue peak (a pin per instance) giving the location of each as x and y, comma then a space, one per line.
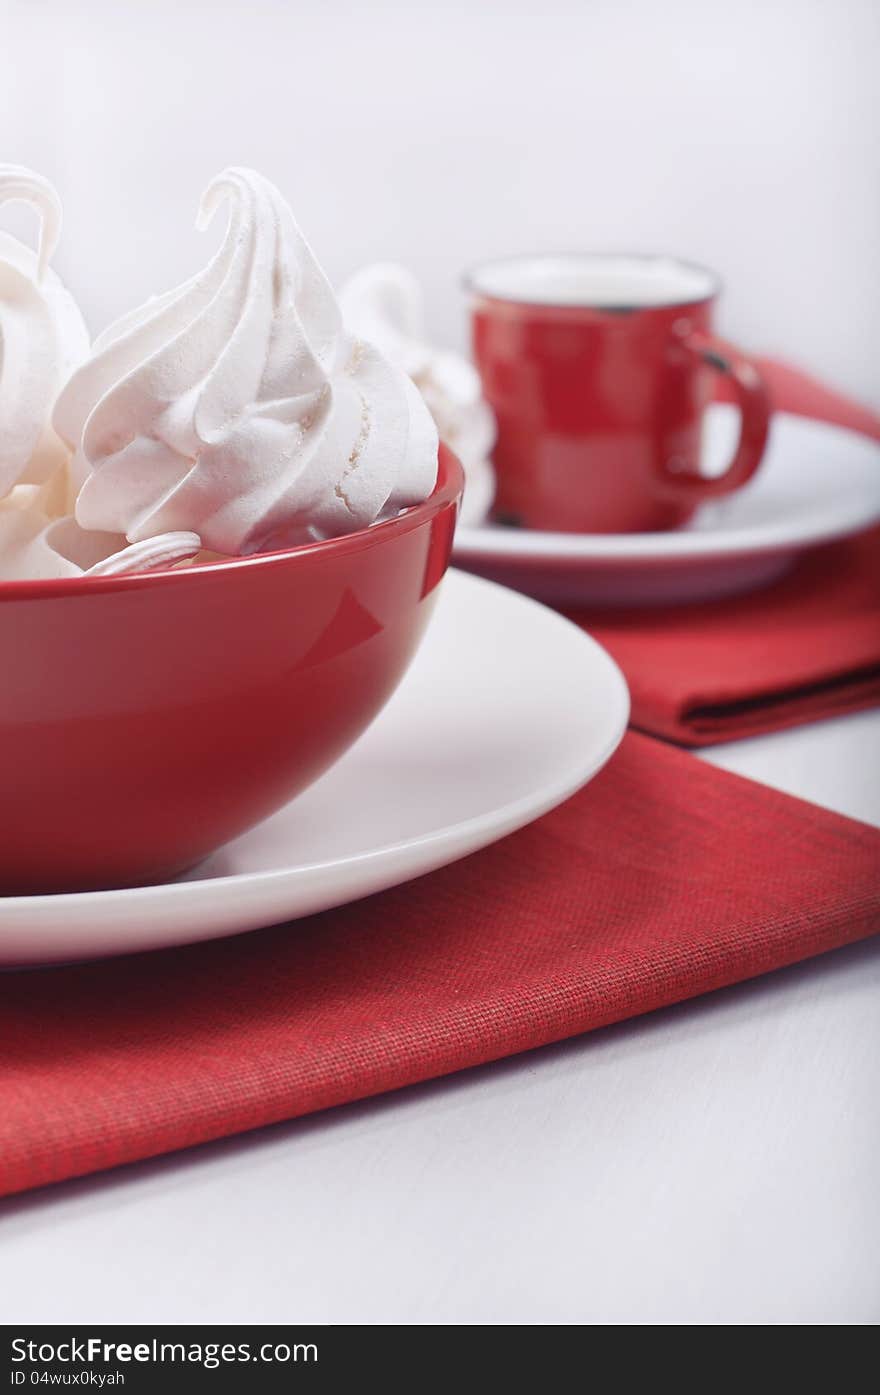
384, 304
238, 408
42, 337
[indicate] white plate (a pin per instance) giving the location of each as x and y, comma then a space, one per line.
817, 483
506, 711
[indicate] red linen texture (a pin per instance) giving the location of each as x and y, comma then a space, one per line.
805, 648
664, 878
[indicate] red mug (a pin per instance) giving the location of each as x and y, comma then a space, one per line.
598, 369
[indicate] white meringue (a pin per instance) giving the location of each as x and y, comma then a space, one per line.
153, 554
26, 514
42, 338
237, 408
36, 543
383, 304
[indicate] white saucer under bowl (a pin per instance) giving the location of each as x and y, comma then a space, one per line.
818, 483
506, 711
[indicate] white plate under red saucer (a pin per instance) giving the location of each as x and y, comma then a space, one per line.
506, 710
817, 483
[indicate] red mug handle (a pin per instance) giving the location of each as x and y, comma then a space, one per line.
751, 395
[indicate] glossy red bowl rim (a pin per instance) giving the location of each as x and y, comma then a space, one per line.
448, 489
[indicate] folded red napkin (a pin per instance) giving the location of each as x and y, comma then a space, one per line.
805, 648
664, 878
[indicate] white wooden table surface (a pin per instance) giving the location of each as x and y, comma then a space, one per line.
712, 1163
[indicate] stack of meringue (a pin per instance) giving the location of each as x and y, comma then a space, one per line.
235, 414
383, 303
42, 339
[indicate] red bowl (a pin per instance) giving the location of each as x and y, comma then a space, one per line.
145, 720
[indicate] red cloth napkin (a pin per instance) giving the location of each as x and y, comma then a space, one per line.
805, 648
662, 879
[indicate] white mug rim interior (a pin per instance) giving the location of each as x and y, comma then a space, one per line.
506, 280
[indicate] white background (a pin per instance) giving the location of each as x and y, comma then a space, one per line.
743, 135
